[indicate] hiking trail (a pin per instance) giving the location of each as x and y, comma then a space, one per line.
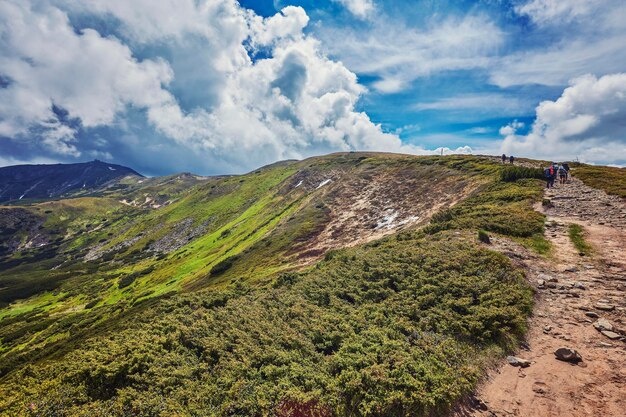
574, 293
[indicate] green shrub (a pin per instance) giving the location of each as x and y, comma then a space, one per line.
514, 173
223, 265
483, 237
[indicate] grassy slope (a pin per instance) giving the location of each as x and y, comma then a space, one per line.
610, 179
252, 215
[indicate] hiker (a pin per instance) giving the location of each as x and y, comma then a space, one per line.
554, 172
503, 158
511, 159
562, 174
550, 174
566, 166
547, 175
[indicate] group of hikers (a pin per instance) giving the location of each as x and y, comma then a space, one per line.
511, 159
556, 170
551, 173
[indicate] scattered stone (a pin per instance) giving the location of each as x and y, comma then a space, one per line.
552, 279
591, 314
611, 335
605, 307
547, 328
606, 345
603, 324
571, 269
579, 285
568, 355
551, 284
515, 361
541, 283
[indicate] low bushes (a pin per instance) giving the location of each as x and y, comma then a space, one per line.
514, 173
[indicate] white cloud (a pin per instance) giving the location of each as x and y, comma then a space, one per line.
359, 8
48, 64
479, 130
399, 54
461, 150
587, 121
559, 11
294, 103
481, 102
511, 128
587, 37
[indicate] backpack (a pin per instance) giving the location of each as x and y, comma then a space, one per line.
546, 172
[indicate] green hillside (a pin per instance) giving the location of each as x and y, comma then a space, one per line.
350, 284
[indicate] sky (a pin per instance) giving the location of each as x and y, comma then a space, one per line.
226, 86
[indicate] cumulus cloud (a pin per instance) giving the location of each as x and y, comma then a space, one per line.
398, 54
359, 8
588, 121
50, 69
511, 128
292, 102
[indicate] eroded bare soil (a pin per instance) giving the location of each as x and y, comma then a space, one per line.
574, 293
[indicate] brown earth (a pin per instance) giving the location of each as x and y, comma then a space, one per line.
575, 293
368, 205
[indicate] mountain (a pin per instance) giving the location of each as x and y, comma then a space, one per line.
347, 284
52, 181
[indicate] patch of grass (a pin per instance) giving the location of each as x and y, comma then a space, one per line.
538, 243
499, 207
610, 179
576, 234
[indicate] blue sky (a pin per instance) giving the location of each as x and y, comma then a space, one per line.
220, 86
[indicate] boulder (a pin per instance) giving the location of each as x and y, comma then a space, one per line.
568, 355
515, 361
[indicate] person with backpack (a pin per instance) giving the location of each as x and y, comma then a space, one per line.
511, 159
562, 174
503, 158
548, 175
566, 166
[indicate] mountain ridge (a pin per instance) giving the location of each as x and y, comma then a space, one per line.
44, 181
297, 285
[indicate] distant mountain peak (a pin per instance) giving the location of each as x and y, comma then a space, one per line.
44, 181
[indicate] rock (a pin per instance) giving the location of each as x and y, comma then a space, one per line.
611, 335
579, 285
515, 361
568, 355
571, 269
541, 283
551, 284
603, 324
605, 307
591, 314
552, 279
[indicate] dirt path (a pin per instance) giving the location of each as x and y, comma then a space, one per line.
573, 293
